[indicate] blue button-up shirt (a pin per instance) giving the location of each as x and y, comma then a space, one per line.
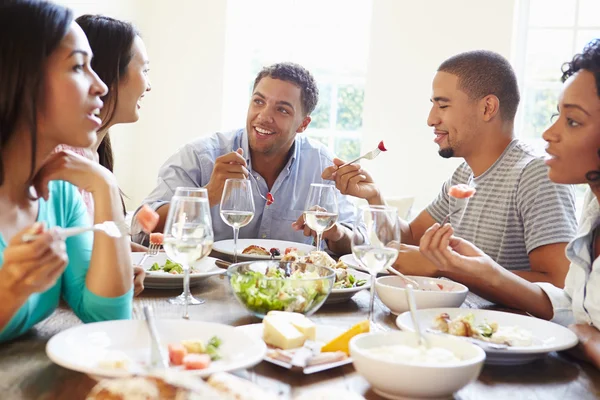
193, 164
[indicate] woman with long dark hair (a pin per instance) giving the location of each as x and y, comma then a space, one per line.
51, 95
573, 158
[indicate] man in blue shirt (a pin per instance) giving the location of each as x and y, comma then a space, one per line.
271, 153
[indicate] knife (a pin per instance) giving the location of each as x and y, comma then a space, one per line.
222, 264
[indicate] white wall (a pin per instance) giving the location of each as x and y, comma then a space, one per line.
408, 42
186, 45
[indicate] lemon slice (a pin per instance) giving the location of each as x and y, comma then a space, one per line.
340, 343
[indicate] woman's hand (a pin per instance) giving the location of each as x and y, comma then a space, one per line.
75, 169
139, 274
31, 267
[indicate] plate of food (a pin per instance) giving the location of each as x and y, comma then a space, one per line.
348, 282
260, 249
113, 349
508, 339
162, 273
296, 343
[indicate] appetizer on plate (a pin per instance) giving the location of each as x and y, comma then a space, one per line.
194, 354
464, 325
343, 278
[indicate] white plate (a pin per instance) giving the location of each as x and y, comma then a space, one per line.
343, 295
226, 247
164, 280
83, 348
350, 261
548, 336
325, 333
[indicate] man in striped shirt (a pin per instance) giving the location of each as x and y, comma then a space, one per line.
518, 216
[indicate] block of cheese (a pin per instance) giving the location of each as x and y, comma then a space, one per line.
299, 321
279, 332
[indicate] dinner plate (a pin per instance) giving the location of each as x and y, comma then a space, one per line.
325, 333
226, 247
88, 348
351, 261
164, 280
547, 336
342, 295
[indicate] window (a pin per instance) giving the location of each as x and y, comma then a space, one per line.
550, 32
329, 38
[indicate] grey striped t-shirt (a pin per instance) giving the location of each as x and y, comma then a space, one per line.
515, 210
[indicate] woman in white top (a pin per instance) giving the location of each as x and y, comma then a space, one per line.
573, 158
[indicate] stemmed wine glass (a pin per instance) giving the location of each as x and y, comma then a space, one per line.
321, 210
374, 251
237, 207
188, 238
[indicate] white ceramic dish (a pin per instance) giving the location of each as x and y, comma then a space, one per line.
85, 348
436, 293
399, 379
225, 247
164, 280
342, 295
547, 336
325, 333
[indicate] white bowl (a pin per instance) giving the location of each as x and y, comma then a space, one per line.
399, 379
391, 290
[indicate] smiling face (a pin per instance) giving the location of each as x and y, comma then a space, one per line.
275, 116
133, 86
71, 93
574, 137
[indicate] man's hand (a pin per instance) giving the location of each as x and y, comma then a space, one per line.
410, 261
588, 348
231, 165
352, 180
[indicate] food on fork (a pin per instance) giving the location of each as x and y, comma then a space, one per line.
256, 250
270, 199
148, 218
461, 191
157, 238
381, 146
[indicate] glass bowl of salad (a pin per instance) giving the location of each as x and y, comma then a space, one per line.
263, 286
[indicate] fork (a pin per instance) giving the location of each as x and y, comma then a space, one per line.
368, 156
449, 215
110, 228
151, 252
269, 199
158, 358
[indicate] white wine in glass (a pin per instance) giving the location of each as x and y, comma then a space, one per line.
375, 250
237, 207
188, 238
321, 210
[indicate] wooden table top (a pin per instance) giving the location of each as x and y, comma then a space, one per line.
27, 373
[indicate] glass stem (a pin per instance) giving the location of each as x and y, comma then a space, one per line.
236, 231
186, 290
372, 301
319, 236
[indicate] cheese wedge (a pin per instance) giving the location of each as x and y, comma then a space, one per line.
340, 343
280, 333
299, 321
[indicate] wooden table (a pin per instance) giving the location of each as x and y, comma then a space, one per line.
27, 373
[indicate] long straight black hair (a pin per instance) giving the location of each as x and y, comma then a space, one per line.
30, 30
111, 41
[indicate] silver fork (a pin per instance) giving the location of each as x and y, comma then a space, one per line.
368, 156
151, 252
258, 190
110, 228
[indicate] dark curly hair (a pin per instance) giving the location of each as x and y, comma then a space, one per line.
297, 75
481, 73
588, 60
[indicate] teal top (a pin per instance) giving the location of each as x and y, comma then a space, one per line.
65, 208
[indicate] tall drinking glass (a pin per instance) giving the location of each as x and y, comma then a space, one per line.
188, 238
237, 207
375, 251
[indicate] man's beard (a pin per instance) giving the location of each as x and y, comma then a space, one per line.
448, 152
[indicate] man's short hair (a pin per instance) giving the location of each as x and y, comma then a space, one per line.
481, 73
297, 75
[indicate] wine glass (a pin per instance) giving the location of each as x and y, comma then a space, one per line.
188, 238
237, 207
191, 192
321, 210
374, 250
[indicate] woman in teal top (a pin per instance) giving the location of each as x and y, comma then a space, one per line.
50, 96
